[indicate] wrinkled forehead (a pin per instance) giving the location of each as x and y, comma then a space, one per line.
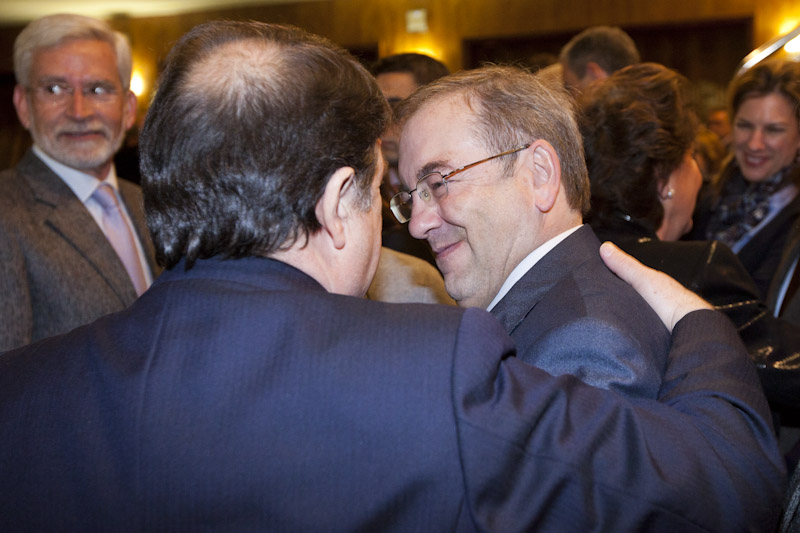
93, 59
439, 135
442, 113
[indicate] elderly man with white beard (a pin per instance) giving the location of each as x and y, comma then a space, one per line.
73, 243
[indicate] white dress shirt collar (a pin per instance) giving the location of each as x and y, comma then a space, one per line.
526, 264
82, 184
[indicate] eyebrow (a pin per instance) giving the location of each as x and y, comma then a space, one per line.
775, 123
433, 166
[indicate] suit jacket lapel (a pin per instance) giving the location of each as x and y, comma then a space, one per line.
66, 215
549, 270
132, 197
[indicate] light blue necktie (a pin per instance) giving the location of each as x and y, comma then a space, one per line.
120, 235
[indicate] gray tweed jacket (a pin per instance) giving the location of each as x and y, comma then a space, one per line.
57, 270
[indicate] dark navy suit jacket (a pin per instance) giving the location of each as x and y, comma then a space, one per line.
240, 396
569, 314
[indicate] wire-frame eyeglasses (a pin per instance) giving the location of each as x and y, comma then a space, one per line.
433, 186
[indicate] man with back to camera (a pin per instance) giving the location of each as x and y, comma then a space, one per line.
251, 388
73, 242
595, 54
499, 195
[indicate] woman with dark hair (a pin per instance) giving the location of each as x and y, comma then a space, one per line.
754, 201
638, 133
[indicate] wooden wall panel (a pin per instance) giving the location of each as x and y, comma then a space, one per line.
514, 17
379, 25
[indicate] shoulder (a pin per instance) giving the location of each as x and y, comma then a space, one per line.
13, 186
17, 199
593, 325
404, 278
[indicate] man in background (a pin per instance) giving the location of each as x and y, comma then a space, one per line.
719, 123
73, 243
594, 54
398, 76
406, 271
253, 389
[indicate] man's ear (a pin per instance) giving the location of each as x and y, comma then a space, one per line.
546, 168
129, 110
595, 72
336, 205
21, 104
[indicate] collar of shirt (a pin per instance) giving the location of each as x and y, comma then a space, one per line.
82, 184
777, 202
526, 264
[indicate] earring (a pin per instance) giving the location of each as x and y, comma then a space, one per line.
670, 193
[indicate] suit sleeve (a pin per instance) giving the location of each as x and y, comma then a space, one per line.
554, 454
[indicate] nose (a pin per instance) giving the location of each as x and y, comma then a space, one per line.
79, 106
424, 218
756, 140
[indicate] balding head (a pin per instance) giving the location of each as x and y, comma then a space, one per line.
248, 123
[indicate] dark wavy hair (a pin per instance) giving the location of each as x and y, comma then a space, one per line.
247, 125
637, 125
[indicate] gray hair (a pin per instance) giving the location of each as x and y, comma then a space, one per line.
513, 107
55, 29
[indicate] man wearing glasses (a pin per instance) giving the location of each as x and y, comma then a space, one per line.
493, 163
73, 242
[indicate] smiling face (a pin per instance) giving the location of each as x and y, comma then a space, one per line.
766, 137
80, 133
474, 231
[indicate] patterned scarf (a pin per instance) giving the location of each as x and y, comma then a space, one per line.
743, 205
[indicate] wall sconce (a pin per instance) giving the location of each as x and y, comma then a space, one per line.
417, 21
137, 83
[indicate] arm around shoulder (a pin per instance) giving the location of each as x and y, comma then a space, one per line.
551, 453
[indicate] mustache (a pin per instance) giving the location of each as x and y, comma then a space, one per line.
84, 129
